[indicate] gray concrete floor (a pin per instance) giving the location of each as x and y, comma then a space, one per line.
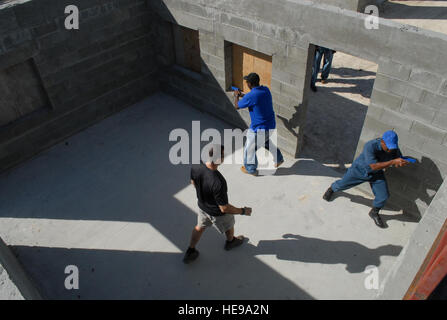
108, 201
8, 290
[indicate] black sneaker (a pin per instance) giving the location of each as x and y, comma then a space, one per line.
374, 214
313, 88
190, 255
328, 194
236, 242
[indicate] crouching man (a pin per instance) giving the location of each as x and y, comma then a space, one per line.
214, 209
377, 155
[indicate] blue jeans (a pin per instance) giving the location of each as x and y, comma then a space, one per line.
328, 55
252, 144
354, 176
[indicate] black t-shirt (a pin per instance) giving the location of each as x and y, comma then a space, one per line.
211, 189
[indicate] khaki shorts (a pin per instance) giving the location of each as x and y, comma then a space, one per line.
221, 223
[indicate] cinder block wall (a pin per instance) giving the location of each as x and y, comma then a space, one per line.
413, 102
86, 74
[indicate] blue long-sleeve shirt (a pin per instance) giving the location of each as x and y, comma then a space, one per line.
259, 103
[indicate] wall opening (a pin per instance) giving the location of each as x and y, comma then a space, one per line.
241, 61
187, 48
336, 111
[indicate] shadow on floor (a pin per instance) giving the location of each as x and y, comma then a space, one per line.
307, 167
116, 274
392, 10
355, 256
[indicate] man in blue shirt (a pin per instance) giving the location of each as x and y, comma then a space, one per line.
377, 154
260, 105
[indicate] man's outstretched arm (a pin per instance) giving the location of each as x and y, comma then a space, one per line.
230, 209
398, 162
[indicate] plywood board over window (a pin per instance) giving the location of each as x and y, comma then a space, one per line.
245, 61
187, 48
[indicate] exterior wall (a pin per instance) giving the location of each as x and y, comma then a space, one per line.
398, 280
410, 101
87, 74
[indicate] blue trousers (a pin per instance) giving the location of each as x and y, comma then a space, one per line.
354, 176
250, 159
328, 55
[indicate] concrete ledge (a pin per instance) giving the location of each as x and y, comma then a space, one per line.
17, 274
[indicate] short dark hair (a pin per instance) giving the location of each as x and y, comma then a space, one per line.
214, 148
253, 79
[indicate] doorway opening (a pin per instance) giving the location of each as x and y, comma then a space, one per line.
337, 109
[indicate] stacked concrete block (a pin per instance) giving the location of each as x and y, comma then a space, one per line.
399, 279
111, 62
410, 101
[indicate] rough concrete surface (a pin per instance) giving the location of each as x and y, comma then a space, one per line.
8, 290
108, 201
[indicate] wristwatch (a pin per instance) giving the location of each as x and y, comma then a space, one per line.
243, 211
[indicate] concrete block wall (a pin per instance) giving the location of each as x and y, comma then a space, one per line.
109, 63
410, 101
399, 279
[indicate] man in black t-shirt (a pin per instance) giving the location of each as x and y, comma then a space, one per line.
214, 209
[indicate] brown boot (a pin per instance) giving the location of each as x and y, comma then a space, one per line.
245, 171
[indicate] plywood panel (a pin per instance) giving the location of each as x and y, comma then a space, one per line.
191, 49
237, 63
245, 61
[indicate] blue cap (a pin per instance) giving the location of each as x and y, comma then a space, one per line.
390, 138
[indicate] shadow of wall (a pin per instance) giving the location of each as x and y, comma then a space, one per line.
86, 74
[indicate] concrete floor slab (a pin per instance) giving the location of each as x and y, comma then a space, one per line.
108, 201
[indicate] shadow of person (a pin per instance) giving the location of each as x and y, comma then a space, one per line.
350, 72
362, 87
307, 167
292, 123
355, 256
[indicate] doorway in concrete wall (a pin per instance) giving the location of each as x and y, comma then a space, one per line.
337, 111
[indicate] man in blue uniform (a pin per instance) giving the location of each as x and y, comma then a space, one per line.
377, 155
259, 103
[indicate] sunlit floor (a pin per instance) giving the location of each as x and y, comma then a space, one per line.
108, 201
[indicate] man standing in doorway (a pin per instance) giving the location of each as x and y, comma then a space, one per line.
214, 209
260, 105
328, 54
377, 155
